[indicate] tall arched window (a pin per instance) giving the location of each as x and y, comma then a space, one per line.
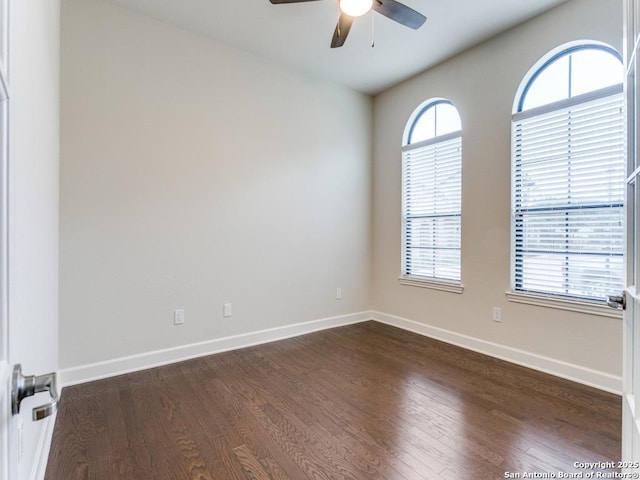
568, 176
431, 194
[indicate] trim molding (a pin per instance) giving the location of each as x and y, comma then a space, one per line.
95, 371
590, 308
593, 378
432, 284
122, 365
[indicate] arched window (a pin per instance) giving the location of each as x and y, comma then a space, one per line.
568, 176
431, 194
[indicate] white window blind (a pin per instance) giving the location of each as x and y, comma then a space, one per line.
432, 175
568, 197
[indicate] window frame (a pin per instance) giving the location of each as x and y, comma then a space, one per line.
442, 284
538, 69
550, 299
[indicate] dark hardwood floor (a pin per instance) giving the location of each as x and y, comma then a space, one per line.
366, 401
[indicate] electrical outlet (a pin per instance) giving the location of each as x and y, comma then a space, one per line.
178, 316
497, 314
227, 310
338, 293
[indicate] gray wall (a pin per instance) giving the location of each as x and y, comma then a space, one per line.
482, 83
193, 175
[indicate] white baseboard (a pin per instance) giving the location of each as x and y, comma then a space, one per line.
118, 366
593, 378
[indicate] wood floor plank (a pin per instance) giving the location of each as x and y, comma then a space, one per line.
299, 443
366, 401
243, 425
322, 422
367, 422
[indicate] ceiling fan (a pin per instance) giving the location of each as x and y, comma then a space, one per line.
349, 9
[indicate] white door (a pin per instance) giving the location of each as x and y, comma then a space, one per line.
631, 328
5, 370
29, 150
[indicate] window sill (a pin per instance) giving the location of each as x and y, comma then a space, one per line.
432, 284
591, 308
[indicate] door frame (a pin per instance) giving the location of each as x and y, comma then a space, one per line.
631, 320
7, 461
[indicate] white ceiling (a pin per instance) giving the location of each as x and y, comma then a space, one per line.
299, 35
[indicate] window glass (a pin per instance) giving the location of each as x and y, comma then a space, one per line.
573, 72
551, 85
448, 119
424, 127
438, 118
594, 69
568, 178
431, 194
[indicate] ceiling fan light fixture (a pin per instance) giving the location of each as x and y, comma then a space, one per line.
355, 8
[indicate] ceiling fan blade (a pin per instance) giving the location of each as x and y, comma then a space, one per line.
341, 31
275, 2
400, 13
